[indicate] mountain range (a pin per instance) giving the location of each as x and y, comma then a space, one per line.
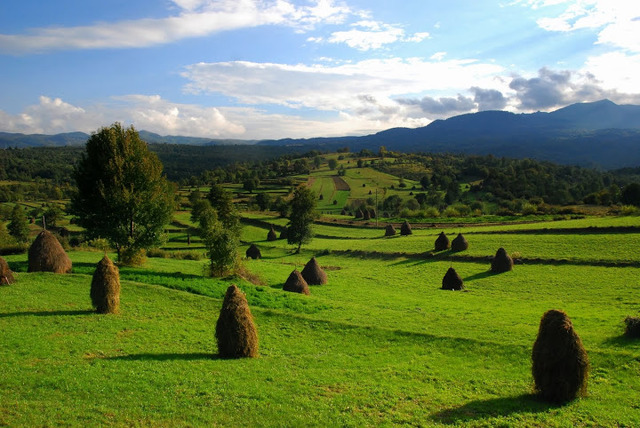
598, 134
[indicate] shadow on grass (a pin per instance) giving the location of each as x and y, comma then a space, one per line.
45, 313
622, 340
481, 275
193, 356
494, 407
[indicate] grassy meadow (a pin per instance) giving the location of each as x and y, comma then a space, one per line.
380, 344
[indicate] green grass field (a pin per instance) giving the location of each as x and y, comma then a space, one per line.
380, 344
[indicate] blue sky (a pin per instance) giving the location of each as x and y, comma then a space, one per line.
254, 69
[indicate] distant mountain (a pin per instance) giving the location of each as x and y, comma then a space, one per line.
600, 134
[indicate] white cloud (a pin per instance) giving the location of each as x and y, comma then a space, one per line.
368, 34
197, 18
616, 71
337, 87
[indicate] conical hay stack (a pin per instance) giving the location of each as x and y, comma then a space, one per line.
560, 363
105, 287
442, 242
452, 280
366, 215
313, 273
405, 229
284, 233
6, 276
502, 262
253, 252
343, 212
632, 329
296, 283
390, 230
359, 213
47, 255
235, 331
272, 236
459, 243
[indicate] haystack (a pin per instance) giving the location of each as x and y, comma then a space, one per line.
405, 229
235, 331
390, 230
344, 212
372, 213
359, 213
253, 252
632, 329
313, 273
296, 283
452, 281
47, 255
502, 262
366, 215
272, 236
6, 276
459, 243
442, 242
560, 363
105, 287
284, 233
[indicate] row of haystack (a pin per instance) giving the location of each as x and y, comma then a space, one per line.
502, 262
312, 274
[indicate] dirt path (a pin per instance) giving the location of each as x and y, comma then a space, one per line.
340, 183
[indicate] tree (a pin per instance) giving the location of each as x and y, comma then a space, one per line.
251, 184
631, 194
332, 164
222, 202
18, 226
303, 206
122, 195
221, 243
264, 201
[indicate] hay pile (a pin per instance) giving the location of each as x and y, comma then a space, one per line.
405, 229
235, 331
284, 233
366, 215
296, 283
459, 243
632, 329
359, 213
452, 281
344, 212
442, 242
6, 276
313, 273
560, 363
105, 287
502, 262
253, 252
47, 255
390, 230
271, 236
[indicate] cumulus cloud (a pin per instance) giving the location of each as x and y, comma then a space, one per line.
367, 35
333, 87
444, 106
489, 99
196, 18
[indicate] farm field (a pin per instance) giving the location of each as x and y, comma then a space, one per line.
380, 344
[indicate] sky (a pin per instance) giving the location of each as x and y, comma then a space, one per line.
263, 69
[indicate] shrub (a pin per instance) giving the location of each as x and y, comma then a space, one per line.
47, 255
105, 287
560, 365
236, 333
131, 256
313, 273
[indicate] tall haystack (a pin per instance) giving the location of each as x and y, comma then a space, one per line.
6, 276
560, 363
105, 287
284, 233
372, 213
359, 213
272, 236
235, 331
442, 242
47, 255
313, 273
632, 329
366, 215
296, 283
253, 252
459, 243
344, 212
390, 230
502, 262
452, 281
405, 229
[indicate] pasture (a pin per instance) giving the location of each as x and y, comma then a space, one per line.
380, 344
